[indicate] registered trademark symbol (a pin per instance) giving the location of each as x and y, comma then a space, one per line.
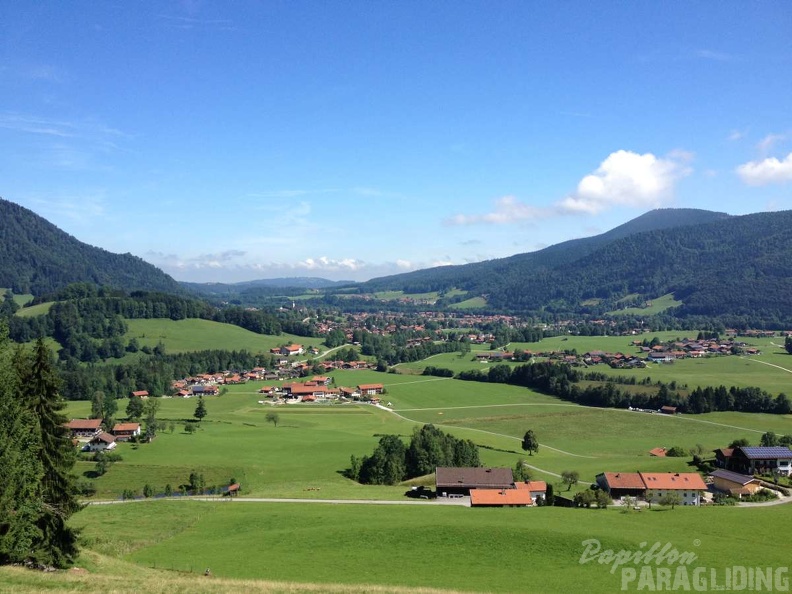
697, 543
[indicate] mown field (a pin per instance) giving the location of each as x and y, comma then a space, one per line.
197, 335
394, 547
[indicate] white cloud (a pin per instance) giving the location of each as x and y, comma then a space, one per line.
767, 171
329, 264
769, 141
507, 210
713, 55
626, 178
735, 135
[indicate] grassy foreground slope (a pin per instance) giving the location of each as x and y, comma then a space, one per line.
479, 550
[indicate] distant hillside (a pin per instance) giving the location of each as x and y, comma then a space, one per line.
480, 277
716, 265
302, 282
36, 257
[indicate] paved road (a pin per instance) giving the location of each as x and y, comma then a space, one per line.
462, 501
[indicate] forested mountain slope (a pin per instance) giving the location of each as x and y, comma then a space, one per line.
37, 257
717, 265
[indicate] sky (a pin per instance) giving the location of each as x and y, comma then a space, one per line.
347, 139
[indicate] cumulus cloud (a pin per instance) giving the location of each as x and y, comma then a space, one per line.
507, 210
766, 171
329, 264
626, 178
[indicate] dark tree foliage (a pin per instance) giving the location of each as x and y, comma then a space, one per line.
392, 462
529, 442
39, 389
21, 470
681, 251
788, 344
558, 379
37, 257
200, 409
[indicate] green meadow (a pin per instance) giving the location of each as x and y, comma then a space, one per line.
429, 545
197, 335
304, 455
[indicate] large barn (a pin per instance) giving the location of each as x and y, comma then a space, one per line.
459, 481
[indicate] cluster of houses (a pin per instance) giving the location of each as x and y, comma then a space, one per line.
209, 384
661, 353
319, 389
93, 438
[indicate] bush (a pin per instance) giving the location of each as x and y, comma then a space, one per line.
676, 452
85, 488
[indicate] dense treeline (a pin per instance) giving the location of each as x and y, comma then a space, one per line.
154, 374
88, 321
393, 462
36, 458
36, 257
563, 381
388, 349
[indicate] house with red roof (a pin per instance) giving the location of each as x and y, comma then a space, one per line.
84, 428
689, 486
537, 489
103, 441
370, 389
126, 431
139, 394
500, 498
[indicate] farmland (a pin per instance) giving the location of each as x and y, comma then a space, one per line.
323, 545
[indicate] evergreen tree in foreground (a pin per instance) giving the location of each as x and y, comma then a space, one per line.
20, 468
56, 543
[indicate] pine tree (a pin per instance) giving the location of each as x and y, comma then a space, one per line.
200, 410
97, 404
57, 542
20, 468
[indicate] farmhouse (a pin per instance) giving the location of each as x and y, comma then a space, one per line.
201, 390
292, 349
139, 394
750, 460
621, 484
85, 428
734, 483
370, 389
103, 441
460, 481
688, 485
723, 457
126, 431
500, 498
535, 488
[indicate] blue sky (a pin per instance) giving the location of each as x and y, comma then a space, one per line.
354, 139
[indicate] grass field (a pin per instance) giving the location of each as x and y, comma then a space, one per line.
472, 303
482, 550
196, 335
34, 310
657, 306
312, 546
304, 455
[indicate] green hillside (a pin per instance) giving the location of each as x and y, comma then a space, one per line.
180, 336
36, 257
